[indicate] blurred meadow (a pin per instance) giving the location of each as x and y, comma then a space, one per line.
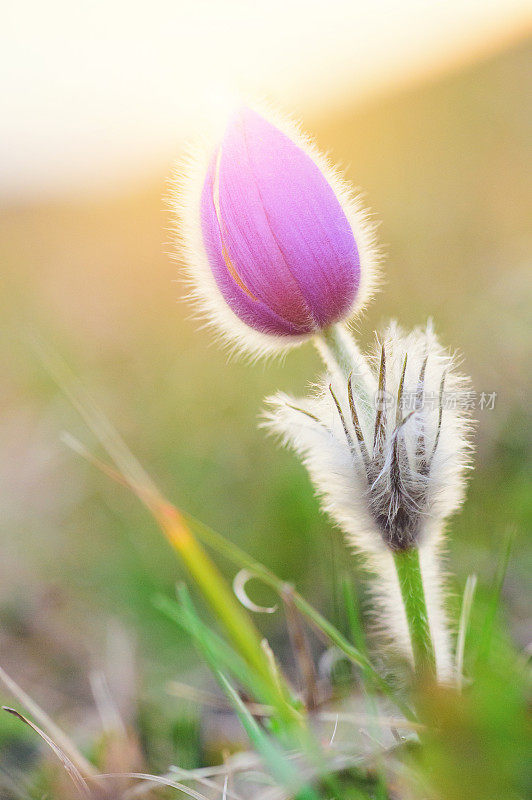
444, 163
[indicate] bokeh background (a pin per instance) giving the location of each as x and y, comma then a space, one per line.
428, 109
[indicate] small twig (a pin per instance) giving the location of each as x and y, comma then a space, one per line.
186, 692
112, 722
301, 648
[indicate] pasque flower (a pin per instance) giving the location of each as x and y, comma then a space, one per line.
386, 447
275, 245
277, 251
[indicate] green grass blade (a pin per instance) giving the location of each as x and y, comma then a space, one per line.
463, 625
356, 628
239, 557
486, 635
216, 651
353, 616
274, 758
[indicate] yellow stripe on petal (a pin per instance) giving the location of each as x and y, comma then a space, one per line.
216, 200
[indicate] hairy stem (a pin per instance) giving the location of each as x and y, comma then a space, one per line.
341, 354
332, 344
408, 570
339, 351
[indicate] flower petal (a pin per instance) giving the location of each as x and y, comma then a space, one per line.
280, 246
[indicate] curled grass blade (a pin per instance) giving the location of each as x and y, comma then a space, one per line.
239, 557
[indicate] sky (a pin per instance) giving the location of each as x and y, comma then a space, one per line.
93, 93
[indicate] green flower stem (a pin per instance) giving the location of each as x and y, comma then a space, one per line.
408, 570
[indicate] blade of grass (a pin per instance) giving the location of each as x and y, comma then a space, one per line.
235, 620
273, 756
486, 635
206, 639
158, 780
180, 536
51, 728
215, 650
239, 557
165, 514
207, 577
213, 586
302, 653
465, 613
205, 698
357, 632
353, 616
70, 768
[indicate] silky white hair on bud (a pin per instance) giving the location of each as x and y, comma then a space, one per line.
184, 200
389, 473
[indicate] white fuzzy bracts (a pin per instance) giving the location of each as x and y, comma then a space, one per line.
386, 448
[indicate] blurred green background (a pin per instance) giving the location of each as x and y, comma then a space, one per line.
444, 165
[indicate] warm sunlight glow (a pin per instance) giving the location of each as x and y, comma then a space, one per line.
95, 90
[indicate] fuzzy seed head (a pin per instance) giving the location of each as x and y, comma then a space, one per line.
387, 453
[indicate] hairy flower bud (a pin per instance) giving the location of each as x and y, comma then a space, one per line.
388, 460
276, 248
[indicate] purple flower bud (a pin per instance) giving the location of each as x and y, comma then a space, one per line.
279, 236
